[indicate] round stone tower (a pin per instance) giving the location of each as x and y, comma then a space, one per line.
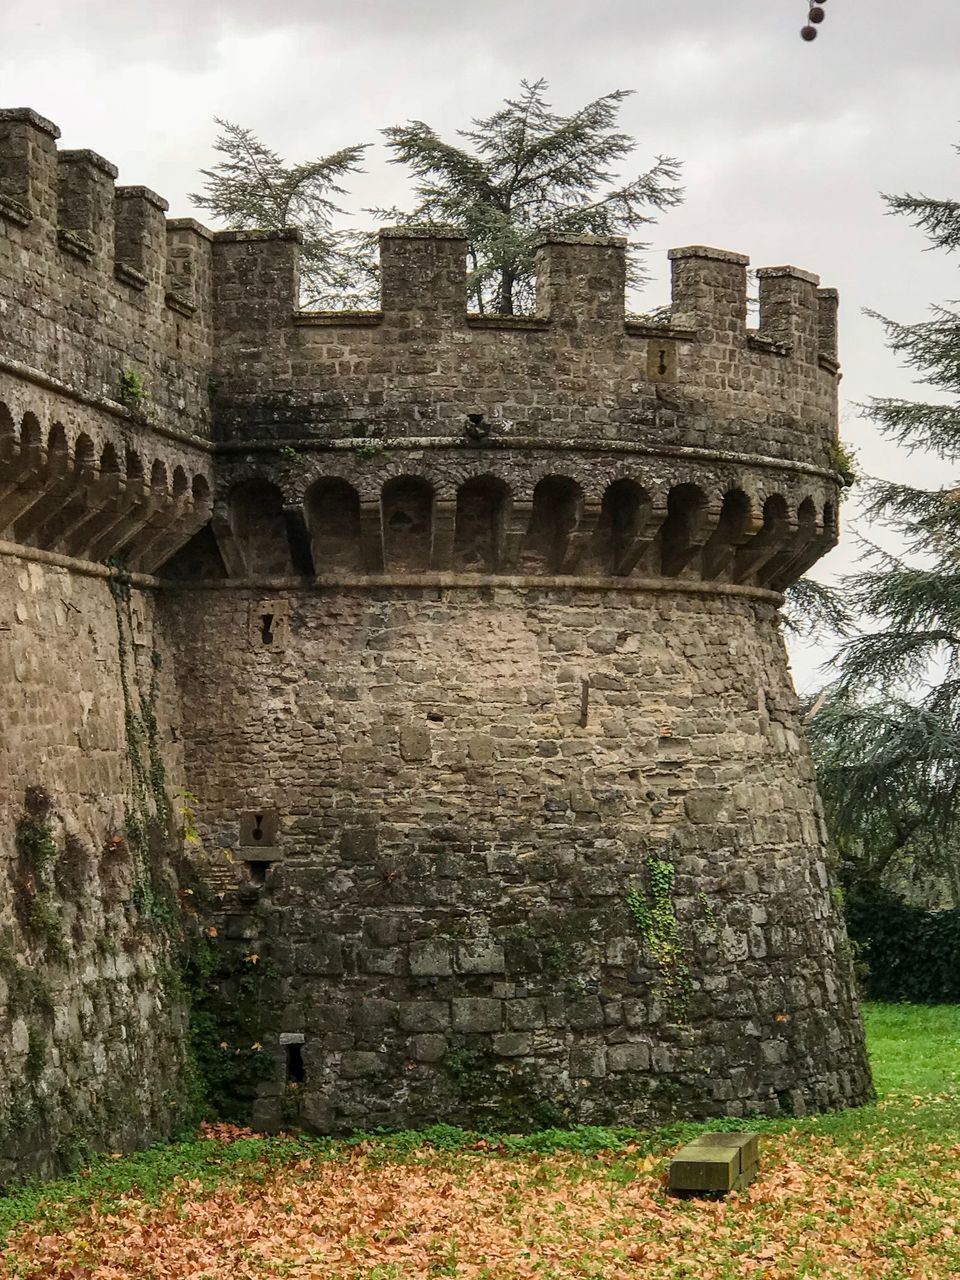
484, 688
459, 635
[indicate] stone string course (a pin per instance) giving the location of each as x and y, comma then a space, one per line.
462, 632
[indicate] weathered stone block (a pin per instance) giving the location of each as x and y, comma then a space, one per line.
415, 742
429, 959
320, 956
424, 1015
588, 1061
480, 955
628, 1057
585, 1014
477, 1014
512, 1044
373, 1015
361, 1062
716, 1162
525, 1015
428, 1048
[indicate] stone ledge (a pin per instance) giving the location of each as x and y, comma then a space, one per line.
291, 234
335, 319
15, 212
27, 115
637, 327
176, 303
791, 273
74, 243
417, 231
142, 193
87, 568
524, 444
525, 324
84, 155
130, 275
757, 342
442, 581
705, 251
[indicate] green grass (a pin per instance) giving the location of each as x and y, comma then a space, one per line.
914, 1049
915, 1052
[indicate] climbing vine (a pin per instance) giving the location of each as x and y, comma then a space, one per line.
656, 920
39, 853
231, 994
148, 810
226, 994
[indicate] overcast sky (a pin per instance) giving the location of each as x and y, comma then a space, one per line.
786, 144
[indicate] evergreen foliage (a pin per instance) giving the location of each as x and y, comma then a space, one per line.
905, 953
889, 773
812, 608
913, 601
253, 188
526, 172
887, 735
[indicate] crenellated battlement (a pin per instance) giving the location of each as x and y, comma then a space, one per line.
176, 331
95, 284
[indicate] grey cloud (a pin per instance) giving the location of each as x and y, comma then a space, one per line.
786, 144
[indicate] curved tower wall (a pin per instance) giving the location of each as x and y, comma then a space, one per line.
470, 782
473, 623
547, 841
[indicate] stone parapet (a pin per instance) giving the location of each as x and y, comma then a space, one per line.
91, 277
579, 369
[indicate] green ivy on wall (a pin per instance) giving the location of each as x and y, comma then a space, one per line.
148, 814
656, 920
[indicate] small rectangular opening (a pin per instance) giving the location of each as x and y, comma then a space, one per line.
258, 871
296, 1074
259, 828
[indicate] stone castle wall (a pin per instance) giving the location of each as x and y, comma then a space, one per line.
90, 1022
461, 789
466, 632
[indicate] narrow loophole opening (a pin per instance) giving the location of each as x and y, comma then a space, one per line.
296, 1074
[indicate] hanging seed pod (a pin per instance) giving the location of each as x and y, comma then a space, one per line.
817, 13
808, 33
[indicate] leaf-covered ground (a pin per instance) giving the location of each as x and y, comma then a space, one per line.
867, 1193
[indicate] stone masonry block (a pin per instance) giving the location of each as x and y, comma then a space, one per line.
429, 959
362, 1063
588, 1061
628, 1057
477, 1014
480, 955
428, 1048
425, 1015
512, 1044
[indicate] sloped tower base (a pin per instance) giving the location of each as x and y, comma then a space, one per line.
474, 785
